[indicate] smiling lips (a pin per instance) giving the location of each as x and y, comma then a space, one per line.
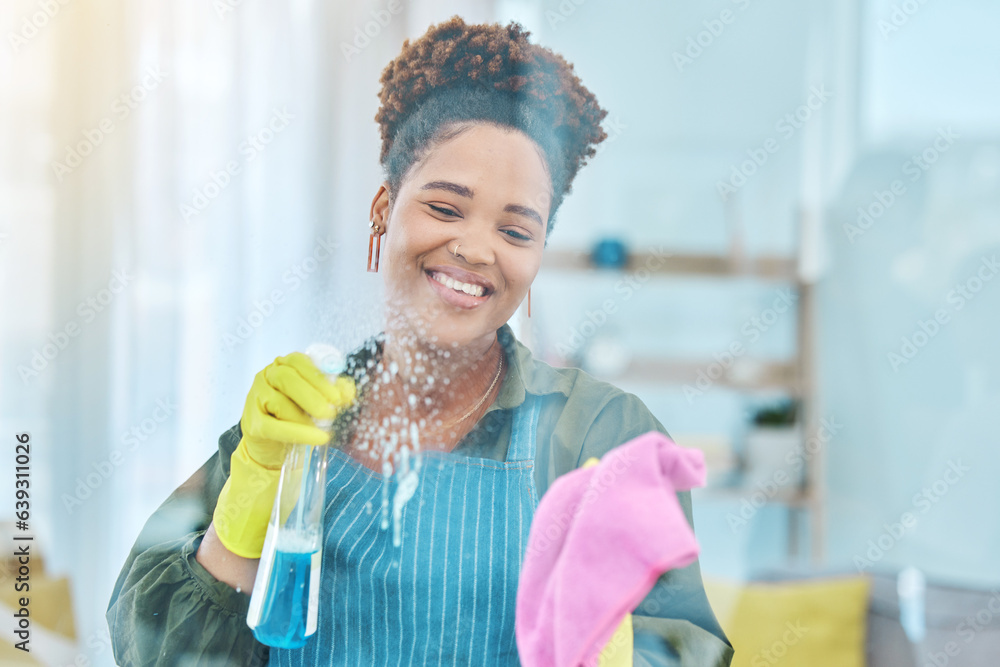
469, 288
456, 292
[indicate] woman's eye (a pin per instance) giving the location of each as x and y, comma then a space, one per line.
444, 211
517, 235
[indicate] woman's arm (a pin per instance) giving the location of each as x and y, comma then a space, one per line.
224, 565
236, 571
167, 607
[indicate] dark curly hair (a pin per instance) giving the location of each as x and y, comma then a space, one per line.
457, 73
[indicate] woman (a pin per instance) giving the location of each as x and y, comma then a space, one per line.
482, 135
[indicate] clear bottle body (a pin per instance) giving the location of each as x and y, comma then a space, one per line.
283, 606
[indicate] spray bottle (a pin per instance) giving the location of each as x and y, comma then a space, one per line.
285, 598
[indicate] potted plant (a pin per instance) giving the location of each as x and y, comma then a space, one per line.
773, 434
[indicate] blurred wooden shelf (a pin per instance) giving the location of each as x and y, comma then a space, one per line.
797, 498
724, 266
743, 375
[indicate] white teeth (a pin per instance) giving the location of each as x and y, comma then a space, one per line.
468, 288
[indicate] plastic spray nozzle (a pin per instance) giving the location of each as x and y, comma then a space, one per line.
331, 362
327, 358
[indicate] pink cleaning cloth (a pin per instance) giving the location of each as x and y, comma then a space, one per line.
600, 538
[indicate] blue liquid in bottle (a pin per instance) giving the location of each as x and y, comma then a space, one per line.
285, 609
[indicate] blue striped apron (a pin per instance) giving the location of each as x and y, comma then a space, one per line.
446, 595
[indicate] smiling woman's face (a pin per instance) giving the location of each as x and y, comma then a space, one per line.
486, 191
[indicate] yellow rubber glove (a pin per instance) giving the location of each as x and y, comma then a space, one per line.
618, 651
283, 401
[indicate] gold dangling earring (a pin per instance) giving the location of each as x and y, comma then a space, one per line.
376, 238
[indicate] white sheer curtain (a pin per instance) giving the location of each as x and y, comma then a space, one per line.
220, 211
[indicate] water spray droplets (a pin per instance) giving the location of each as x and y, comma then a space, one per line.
404, 393
407, 486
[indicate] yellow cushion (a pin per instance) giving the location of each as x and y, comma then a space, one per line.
618, 651
814, 623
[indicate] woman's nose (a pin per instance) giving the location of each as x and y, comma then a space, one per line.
473, 250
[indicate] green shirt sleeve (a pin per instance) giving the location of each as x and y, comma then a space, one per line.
166, 609
674, 624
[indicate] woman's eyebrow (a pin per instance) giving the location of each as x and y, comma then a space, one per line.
525, 211
463, 191
459, 190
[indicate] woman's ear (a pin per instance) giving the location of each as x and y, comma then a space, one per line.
379, 213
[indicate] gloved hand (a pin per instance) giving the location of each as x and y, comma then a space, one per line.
283, 401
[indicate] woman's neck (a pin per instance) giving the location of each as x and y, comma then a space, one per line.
421, 390
434, 382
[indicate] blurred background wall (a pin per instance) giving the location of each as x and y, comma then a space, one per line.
184, 190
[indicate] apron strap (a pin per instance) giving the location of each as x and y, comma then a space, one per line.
523, 430
522, 438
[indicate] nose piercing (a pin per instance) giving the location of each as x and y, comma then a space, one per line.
455, 251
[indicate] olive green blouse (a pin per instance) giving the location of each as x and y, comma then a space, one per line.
166, 609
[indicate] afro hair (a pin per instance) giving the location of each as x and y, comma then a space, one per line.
457, 73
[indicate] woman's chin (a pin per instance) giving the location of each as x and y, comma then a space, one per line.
449, 331
446, 333
441, 325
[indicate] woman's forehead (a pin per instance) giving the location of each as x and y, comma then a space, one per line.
486, 161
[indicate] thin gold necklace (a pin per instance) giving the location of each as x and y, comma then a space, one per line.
480, 401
